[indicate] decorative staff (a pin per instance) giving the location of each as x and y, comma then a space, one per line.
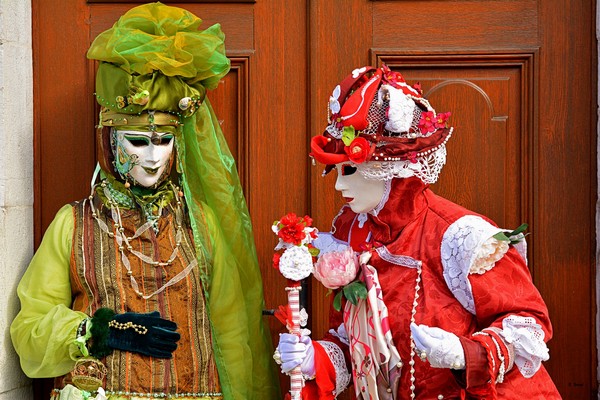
295, 263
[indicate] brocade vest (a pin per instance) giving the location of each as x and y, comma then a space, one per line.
99, 279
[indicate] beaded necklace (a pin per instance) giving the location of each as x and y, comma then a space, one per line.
123, 241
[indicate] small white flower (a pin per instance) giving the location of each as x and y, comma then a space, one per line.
303, 317
308, 238
358, 71
334, 104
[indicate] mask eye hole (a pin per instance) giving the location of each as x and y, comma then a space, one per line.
347, 169
166, 140
137, 141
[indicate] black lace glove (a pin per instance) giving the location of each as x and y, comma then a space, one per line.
147, 334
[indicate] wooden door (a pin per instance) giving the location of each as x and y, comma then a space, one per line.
518, 76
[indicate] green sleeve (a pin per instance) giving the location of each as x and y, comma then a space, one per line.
44, 331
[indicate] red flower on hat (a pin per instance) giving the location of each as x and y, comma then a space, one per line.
427, 122
358, 151
412, 157
440, 120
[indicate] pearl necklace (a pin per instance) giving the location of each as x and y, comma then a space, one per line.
412, 340
123, 241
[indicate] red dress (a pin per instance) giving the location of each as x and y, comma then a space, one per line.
415, 225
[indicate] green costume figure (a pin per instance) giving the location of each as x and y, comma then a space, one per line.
150, 287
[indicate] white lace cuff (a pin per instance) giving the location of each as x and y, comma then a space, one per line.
468, 247
336, 355
527, 337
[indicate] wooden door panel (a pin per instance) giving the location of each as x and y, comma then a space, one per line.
448, 25
485, 104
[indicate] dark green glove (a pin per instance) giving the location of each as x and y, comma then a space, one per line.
147, 334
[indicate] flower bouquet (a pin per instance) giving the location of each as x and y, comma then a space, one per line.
294, 259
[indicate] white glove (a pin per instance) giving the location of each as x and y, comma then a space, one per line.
294, 351
441, 348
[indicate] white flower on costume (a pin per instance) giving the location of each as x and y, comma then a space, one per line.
296, 263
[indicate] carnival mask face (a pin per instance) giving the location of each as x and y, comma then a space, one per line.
143, 157
361, 194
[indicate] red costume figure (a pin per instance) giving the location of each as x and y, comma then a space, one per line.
448, 309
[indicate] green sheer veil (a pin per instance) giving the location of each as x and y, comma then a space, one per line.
155, 58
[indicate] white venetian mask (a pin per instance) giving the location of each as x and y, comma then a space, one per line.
143, 156
361, 194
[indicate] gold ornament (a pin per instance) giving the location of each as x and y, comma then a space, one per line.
88, 374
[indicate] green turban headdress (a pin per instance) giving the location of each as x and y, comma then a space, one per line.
156, 59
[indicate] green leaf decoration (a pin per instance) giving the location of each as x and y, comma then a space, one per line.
513, 237
337, 301
355, 291
520, 229
314, 251
348, 135
501, 236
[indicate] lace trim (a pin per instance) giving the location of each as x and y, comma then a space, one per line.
427, 167
465, 250
404, 261
336, 355
384, 198
527, 337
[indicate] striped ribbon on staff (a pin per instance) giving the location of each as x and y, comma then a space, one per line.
296, 379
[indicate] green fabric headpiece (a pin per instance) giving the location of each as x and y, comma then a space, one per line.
155, 58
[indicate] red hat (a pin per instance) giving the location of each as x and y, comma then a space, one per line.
384, 126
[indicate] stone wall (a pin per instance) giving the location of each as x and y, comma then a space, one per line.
16, 180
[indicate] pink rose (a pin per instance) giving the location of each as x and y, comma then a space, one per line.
336, 268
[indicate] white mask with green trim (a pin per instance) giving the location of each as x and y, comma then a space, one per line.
143, 157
